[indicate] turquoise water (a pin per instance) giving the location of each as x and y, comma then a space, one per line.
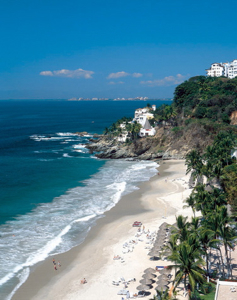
52, 189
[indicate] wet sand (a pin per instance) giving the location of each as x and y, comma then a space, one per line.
156, 201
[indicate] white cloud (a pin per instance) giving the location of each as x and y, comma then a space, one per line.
118, 75
78, 73
112, 82
166, 81
123, 74
136, 75
46, 73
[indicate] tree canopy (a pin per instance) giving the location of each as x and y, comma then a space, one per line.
207, 97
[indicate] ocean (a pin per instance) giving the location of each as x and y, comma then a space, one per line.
52, 190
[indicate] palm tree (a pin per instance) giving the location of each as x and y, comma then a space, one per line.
172, 247
227, 234
133, 129
207, 240
191, 202
106, 131
194, 163
214, 222
188, 262
194, 225
181, 231
202, 199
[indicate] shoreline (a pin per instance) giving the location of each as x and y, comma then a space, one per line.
93, 257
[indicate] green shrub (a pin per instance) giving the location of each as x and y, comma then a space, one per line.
177, 129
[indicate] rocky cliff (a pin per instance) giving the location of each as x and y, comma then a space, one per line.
168, 143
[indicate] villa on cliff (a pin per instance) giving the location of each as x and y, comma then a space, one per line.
141, 116
228, 69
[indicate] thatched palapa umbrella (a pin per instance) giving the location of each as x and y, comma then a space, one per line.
165, 271
143, 287
154, 252
163, 288
162, 283
150, 270
148, 275
146, 281
163, 226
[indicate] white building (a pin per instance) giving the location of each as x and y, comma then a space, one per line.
142, 116
216, 70
140, 111
232, 69
147, 130
122, 137
223, 69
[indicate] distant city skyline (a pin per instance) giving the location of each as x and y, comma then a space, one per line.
102, 49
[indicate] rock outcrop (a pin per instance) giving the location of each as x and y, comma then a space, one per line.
166, 144
233, 118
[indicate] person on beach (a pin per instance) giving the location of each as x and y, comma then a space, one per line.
55, 268
54, 261
83, 281
59, 264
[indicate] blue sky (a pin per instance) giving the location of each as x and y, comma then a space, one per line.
63, 49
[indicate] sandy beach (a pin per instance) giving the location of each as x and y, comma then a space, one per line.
158, 200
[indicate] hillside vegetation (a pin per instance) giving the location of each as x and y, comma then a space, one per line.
202, 98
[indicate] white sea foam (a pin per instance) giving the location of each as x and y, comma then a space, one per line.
42, 253
66, 134
22, 278
58, 226
66, 155
79, 146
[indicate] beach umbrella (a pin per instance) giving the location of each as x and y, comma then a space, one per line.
148, 275
160, 277
160, 237
146, 281
161, 287
165, 271
162, 283
143, 287
163, 226
162, 280
153, 252
150, 270
158, 245
161, 234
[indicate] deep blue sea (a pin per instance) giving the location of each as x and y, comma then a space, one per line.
52, 190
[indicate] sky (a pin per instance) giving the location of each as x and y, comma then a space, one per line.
110, 48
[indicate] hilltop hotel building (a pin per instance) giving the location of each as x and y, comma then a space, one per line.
223, 69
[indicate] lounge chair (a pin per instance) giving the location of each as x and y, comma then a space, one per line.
131, 279
122, 292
